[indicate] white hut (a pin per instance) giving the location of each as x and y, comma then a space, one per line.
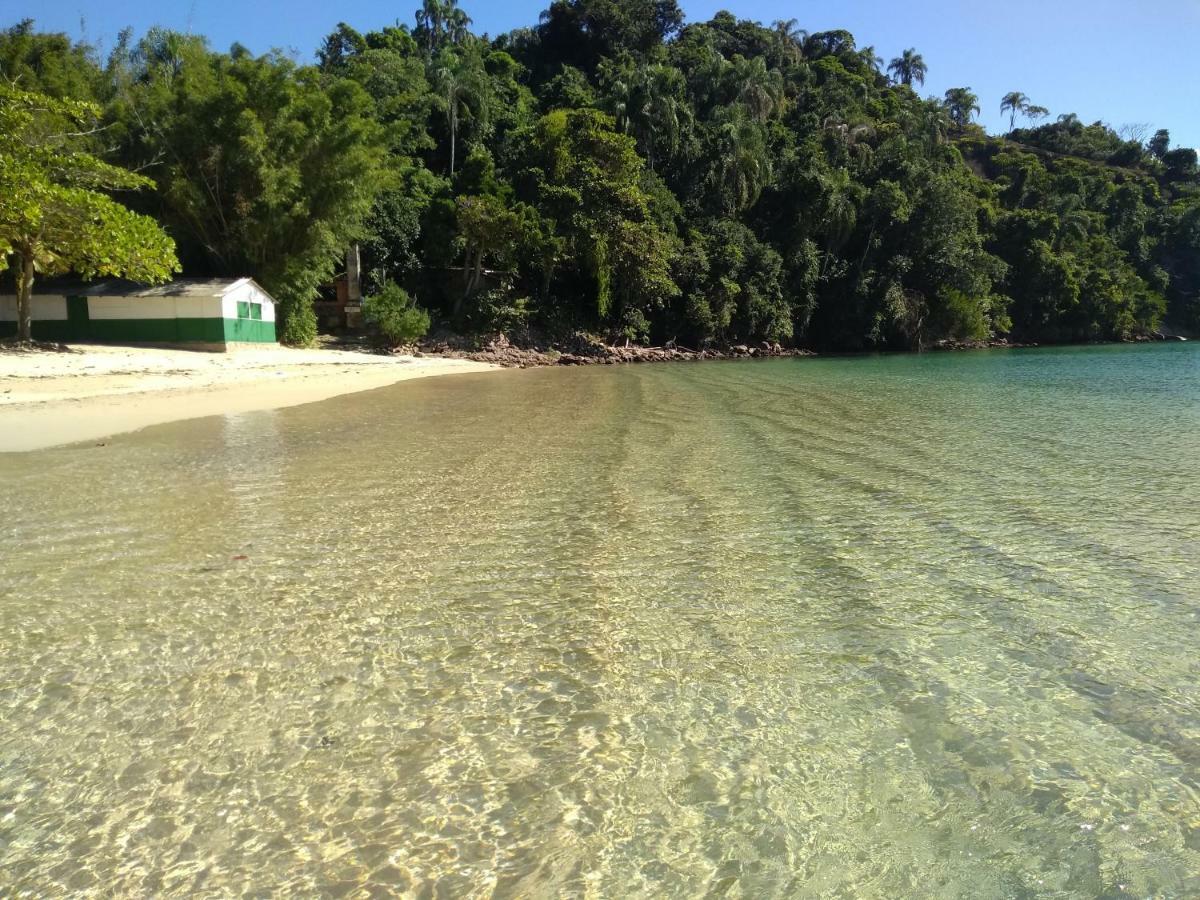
204, 313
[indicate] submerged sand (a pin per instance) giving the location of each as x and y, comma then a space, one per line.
53, 398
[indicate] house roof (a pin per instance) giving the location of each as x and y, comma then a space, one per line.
180, 287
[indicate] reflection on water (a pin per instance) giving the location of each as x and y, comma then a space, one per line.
907, 626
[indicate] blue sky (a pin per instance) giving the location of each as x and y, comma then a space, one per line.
1123, 61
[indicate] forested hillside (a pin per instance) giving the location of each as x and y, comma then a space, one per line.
615, 170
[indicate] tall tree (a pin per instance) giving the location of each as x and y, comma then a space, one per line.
264, 168
54, 217
586, 178
1014, 102
581, 33
339, 47
461, 85
48, 63
789, 37
755, 87
909, 67
1036, 113
440, 22
740, 165
871, 59
1160, 143
962, 106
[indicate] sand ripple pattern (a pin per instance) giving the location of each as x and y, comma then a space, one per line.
902, 626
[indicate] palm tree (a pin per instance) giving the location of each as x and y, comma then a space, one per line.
839, 211
961, 104
1014, 102
760, 90
909, 67
619, 95
162, 49
935, 122
648, 102
872, 59
790, 38
441, 18
664, 112
742, 166
461, 90
457, 22
430, 18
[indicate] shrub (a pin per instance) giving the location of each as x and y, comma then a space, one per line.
299, 325
499, 309
963, 317
393, 314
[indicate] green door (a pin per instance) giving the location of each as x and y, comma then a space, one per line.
77, 318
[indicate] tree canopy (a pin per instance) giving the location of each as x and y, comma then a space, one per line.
56, 216
615, 169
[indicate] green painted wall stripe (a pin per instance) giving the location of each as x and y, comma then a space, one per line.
156, 331
249, 330
45, 330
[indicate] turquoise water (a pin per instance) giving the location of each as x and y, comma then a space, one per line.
909, 626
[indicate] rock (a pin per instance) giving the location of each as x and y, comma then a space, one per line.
585, 350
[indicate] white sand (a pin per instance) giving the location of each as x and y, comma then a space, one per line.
47, 398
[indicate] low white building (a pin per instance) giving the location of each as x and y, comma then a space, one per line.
205, 313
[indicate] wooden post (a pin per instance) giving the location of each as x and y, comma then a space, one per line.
353, 277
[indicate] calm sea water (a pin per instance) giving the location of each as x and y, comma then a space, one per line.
911, 626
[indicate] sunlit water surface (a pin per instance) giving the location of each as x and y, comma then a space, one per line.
886, 627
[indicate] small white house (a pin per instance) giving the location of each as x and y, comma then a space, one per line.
205, 313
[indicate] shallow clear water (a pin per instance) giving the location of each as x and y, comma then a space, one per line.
882, 627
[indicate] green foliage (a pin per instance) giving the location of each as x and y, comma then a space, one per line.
500, 309
48, 63
734, 285
490, 229
393, 314
616, 170
54, 218
298, 322
585, 177
962, 105
909, 68
1014, 102
263, 168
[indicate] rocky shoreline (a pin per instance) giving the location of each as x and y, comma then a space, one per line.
581, 351
584, 350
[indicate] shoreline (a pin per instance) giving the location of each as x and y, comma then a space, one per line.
89, 392
86, 392
499, 351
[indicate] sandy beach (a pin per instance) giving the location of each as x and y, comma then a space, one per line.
48, 398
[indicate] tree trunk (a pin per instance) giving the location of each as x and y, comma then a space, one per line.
25, 298
471, 270
453, 133
863, 260
467, 269
475, 282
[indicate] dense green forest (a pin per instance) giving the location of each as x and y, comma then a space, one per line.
615, 170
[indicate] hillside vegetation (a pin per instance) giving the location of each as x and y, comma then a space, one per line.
615, 170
